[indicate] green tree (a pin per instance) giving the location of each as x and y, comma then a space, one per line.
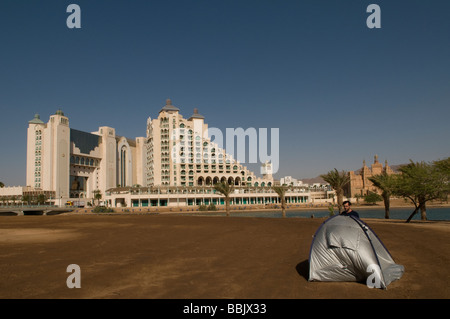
2, 185
372, 198
225, 189
338, 181
26, 199
331, 210
421, 182
41, 199
281, 191
385, 183
443, 166
97, 196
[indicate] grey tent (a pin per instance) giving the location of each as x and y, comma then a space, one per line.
344, 248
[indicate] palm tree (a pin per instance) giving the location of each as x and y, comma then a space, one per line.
385, 183
281, 191
41, 199
97, 196
338, 181
26, 199
225, 189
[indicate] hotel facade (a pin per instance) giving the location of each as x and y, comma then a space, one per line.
175, 157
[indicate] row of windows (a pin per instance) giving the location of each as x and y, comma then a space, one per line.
235, 167
37, 159
83, 161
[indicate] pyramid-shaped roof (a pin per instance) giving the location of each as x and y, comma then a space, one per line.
169, 107
36, 120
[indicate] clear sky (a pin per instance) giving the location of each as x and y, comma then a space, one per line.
338, 91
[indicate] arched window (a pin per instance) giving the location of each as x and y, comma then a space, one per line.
123, 162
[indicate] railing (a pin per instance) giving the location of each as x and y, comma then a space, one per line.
28, 206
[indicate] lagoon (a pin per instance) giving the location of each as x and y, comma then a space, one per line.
433, 213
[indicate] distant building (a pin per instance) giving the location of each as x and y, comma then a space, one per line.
196, 160
72, 164
290, 181
360, 183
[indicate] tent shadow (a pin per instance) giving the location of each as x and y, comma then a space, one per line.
303, 269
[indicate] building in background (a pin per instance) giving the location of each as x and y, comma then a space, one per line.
180, 153
360, 185
290, 181
72, 164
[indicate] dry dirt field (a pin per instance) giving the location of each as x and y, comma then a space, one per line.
173, 256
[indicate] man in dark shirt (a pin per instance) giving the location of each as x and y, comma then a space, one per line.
348, 210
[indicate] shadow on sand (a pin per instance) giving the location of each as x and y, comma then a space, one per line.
303, 269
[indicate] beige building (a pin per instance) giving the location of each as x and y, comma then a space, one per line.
176, 151
360, 184
180, 153
73, 163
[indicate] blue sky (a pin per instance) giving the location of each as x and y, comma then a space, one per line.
338, 91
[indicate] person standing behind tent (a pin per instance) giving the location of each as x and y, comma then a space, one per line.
348, 210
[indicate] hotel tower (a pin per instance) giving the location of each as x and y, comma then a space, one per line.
175, 152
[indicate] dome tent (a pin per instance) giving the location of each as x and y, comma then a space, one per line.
344, 248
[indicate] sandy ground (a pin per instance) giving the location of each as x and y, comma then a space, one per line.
172, 256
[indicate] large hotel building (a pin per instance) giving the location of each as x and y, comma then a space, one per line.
176, 153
